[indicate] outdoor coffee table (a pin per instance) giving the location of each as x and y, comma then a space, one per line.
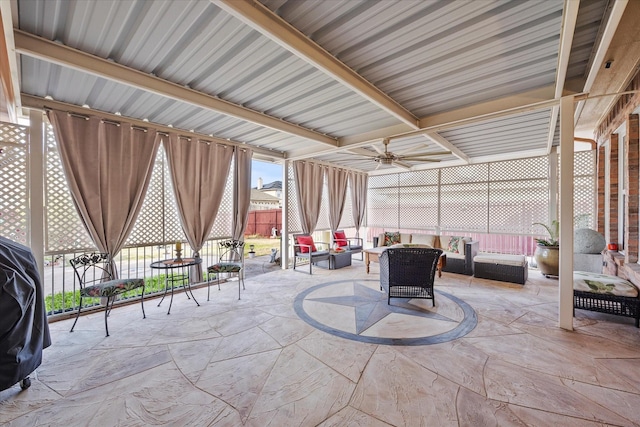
373, 254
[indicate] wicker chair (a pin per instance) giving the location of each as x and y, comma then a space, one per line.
409, 272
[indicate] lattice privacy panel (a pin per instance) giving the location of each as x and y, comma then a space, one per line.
383, 181
14, 195
515, 205
464, 174
418, 207
222, 227
418, 178
521, 169
158, 221
323, 218
382, 207
64, 229
347, 214
463, 207
584, 189
292, 204
518, 195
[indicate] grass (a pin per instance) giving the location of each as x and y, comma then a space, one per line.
60, 302
262, 245
65, 301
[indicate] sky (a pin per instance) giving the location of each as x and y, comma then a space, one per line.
269, 172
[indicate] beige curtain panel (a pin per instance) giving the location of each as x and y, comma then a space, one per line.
337, 180
199, 172
358, 182
309, 179
108, 168
242, 191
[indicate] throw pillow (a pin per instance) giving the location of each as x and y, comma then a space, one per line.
454, 245
306, 240
391, 238
340, 238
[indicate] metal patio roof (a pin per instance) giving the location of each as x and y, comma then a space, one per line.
324, 80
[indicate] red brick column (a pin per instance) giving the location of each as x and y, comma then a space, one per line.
611, 191
600, 225
632, 184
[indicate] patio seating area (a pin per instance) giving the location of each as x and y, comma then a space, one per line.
257, 362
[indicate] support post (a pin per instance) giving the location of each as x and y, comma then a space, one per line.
36, 187
284, 236
566, 213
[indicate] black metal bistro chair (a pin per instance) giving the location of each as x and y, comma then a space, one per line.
230, 260
93, 271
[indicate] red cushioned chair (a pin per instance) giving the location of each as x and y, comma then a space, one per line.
352, 244
304, 247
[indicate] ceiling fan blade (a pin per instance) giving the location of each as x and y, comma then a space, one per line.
419, 159
363, 152
425, 154
401, 164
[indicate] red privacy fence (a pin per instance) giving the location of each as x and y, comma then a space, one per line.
263, 222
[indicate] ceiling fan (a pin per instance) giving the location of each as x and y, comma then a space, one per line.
386, 157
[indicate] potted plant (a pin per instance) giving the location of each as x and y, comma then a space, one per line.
547, 252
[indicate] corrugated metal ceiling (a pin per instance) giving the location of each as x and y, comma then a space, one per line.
429, 56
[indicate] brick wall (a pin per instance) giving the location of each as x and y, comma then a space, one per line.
611, 232
600, 225
631, 184
626, 265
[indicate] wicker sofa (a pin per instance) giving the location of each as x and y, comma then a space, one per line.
460, 252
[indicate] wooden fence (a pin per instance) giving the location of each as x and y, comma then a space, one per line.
263, 222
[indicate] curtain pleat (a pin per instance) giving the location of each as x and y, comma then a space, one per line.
199, 172
242, 187
358, 182
309, 178
108, 168
337, 180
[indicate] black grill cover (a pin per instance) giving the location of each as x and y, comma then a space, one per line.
24, 331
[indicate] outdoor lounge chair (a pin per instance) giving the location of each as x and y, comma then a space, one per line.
352, 244
305, 247
409, 272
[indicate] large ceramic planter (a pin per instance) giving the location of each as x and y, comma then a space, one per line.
547, 258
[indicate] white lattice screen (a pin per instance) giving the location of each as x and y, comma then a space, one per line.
14, 195
224, 219
518, 195
292, 204
584, 189
64, 229
383, 201
501, 198
158, 221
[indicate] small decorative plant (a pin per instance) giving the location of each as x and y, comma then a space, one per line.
553, 231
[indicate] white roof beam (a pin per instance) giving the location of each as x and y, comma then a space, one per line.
599, 58
37, 47
569, 19
277, 29
9, 73
526, 101
38, 103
